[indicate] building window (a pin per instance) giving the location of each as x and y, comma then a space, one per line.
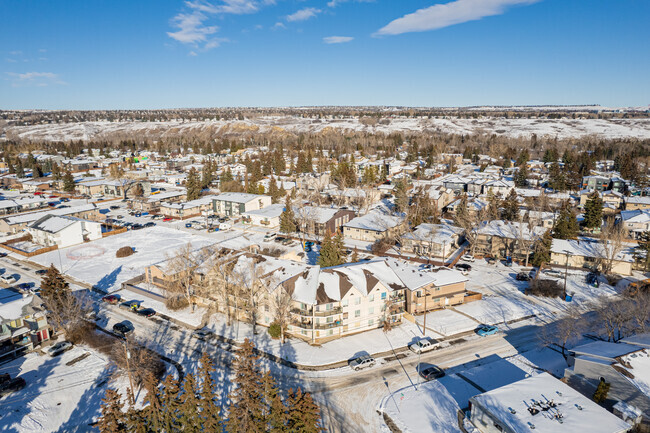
371, 322
371, 310
372, 298
383, 296
357, 313
330, 319
344, 303
357, 301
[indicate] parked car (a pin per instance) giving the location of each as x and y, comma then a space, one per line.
136, 226
12, 385
288, 242
3, 254
362, 362
65, 200
41, 272
269, 237
8, 279
114, 207
120, 217
25, 286
422, 345
59, 348
468, 258
463, 267
146, 312
130, 305
111, 299
485, 330
203, 334
553, 273
508, 261
167, 219
279, 239
123, 328
149, 224
431, 372
224, 226
523, 276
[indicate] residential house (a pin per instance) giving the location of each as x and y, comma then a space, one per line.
63, 231
268, 216
506, 239
373, 226
153, 202
236, 203
540, 404
14, 224
595, 183
187, 209
625, 366
635, 222
637, 202
435, 241
591, 254
23, 323
317, 221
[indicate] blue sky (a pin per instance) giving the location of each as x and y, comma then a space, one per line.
85, 54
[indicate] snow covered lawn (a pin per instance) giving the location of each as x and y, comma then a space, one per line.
300, 352
447, 322
57, 397
95, 262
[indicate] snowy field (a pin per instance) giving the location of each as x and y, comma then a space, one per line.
448, 322
57, 398
561, 128
95, 262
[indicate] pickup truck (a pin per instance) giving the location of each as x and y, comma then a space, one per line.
422, 345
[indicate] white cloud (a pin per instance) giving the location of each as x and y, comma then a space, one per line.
37, 79
191, 28
334, 3
278, 26
444, 15
192, 53
303, 14
236, 7
337, 39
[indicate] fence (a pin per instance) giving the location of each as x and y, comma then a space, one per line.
8, 245
114, 232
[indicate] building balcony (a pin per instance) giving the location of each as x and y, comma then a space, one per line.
302, 312
330, 325
332, 312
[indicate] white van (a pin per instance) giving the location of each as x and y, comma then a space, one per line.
7, 279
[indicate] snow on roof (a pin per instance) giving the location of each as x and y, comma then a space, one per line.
635, 216
271, 211
33, 216
510, 230
203, 201
237, 197
434, 233
415, 278
638, 200
164, 195
319, 215
374, 221
53, 223
638, 363
573, 412
587, 247
604, 349
12, 303
639, 340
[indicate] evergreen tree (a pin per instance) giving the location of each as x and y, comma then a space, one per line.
20, 170
542, 250
246, 411
112, 419
556, 178
642, 252
170, 402
331, 251
151, 415
210, 410
521, 177
510, 207
288, 217
10, 166
273, 190
68, 182
566, 225
193, 185
401, 196
601, 392
304, 414
55, 290
593, 211
56, 171
493, 206
207, 174
355, 256
275, 414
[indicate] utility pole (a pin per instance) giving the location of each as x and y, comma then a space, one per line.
128, 368
566, 270
424, 328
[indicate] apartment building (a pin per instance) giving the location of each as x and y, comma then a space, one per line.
236, 203
506, 239
318, 221
373, 226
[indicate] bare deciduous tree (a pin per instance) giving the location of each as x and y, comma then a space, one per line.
181, 269
612, 244
564, 332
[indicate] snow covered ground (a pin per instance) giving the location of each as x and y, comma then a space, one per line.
57, 397
95, 262
447, 322
562, 128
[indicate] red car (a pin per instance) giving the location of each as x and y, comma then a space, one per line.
167, 219
111, 299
